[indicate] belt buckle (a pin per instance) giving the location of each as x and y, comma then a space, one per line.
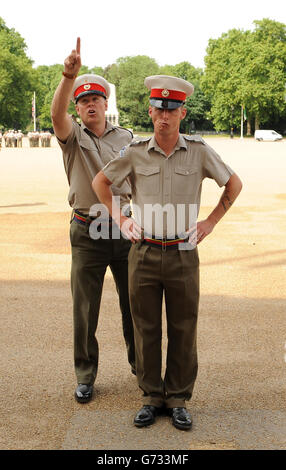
164, 244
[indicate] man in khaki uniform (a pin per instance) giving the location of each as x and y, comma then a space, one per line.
19, 138
86, 149
166, 172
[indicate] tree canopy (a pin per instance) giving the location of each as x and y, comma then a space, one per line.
16, 79
128, 74
245, 68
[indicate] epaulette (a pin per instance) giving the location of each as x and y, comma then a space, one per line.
140, 140
125, 129
194, 138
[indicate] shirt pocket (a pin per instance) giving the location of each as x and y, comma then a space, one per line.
185, 179
87, 144
148, 180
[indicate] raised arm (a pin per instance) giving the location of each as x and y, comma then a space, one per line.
59, 109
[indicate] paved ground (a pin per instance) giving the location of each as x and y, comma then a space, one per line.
239, 398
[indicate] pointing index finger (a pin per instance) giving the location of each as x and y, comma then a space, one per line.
78, 46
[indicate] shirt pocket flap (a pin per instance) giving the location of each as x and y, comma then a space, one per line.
185, 171
87, 144
148, 171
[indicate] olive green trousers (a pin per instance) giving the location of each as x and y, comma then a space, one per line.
174, 273
90, 259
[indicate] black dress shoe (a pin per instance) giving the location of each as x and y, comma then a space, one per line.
83, 393
146, 416
181, 418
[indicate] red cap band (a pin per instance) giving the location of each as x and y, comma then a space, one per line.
163, 93
87, 87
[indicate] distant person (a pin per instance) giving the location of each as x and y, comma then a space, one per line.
166, 170
34, 138
10, 138
14, 138
87, 147
19, 138
45, 137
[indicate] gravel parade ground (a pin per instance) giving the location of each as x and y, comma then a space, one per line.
239, 397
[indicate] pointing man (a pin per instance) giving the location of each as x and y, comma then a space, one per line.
86, 149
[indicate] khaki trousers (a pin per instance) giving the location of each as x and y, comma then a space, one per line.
90, 259
175, 273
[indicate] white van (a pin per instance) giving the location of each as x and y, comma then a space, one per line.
267, 135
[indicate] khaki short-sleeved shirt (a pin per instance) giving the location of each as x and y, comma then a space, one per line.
166, 191
84, 155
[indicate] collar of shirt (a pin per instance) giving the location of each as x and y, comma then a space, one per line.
180, 144
108, 127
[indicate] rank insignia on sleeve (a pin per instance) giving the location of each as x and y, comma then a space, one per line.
122, 151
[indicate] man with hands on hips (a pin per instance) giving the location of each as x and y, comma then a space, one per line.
166, 171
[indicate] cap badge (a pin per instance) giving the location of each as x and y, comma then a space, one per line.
165, 93
86, 87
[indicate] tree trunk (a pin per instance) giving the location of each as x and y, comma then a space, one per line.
248, 131
257, 122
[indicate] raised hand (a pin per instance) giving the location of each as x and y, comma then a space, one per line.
72, 64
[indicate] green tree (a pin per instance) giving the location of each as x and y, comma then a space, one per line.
264, 77
223, 76
16, 79
48, 78
128, 74
246, 68
98, 71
